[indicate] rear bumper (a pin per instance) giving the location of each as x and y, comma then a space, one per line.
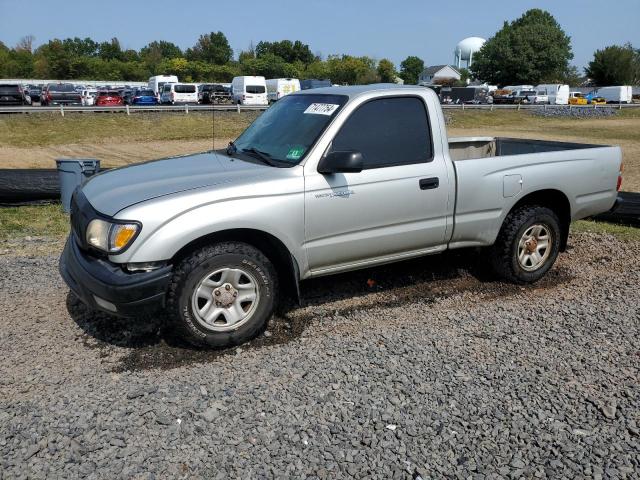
105, 286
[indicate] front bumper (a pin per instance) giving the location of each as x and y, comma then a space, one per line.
105, 286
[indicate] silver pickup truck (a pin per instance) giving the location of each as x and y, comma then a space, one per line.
325, 181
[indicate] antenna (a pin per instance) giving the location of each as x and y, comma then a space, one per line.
213, 122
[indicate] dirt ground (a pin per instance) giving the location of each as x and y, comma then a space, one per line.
111, 154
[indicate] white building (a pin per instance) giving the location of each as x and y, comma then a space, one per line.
430, 75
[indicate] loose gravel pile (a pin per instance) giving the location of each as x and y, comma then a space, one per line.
425, 368
574, 112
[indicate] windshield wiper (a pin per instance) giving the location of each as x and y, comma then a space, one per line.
263, 156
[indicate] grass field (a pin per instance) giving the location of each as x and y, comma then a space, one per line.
35, 141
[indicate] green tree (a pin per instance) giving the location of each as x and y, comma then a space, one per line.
350, 70
317, 69
289, 51
80, 47
465, 77
110, 50
387, 71
531, 49
162, 49
53, 60
615, 65
410, 69
155, 52
213, 48
269, 66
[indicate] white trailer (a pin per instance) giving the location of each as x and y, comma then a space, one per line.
621, 94
280, 87
157, 82
553, 94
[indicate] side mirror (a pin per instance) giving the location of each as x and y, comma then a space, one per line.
341, 162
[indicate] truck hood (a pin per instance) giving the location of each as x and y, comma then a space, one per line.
111, 191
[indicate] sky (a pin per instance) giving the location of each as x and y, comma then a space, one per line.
376, 28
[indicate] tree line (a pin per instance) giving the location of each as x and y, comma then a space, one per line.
529, 50
210, 59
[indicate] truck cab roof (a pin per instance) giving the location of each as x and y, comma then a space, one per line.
354, 91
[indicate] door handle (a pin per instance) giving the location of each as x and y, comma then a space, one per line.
429, 183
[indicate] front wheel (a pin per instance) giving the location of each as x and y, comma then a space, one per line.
222, 295
527, 245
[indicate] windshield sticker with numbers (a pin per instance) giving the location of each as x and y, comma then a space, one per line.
295, 153
321, 108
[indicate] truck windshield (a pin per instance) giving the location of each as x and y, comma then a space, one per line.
288, 129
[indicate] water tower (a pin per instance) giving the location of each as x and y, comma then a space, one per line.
466, 49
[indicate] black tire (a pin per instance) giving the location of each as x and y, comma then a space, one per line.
190, 271
504, 255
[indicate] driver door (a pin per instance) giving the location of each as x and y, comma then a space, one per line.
396, 206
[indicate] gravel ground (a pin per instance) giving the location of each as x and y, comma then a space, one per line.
424, 368
574, 112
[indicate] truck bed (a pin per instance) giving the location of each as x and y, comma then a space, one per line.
470, 148
493, 174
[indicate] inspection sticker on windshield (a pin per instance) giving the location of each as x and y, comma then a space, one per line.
321, 108
295, 153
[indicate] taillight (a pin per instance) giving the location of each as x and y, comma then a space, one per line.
620, 177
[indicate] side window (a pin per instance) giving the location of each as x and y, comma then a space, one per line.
388, 132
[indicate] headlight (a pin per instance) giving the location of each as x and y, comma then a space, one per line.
111, 237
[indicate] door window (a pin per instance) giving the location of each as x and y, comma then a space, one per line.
388, 132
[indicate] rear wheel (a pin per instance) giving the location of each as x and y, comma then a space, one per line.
527, 245
222, 295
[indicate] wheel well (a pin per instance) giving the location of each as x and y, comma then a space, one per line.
284, 263
554, 200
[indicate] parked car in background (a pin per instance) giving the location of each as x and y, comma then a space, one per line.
524, 96
249, 90
213, 238
552, 94
144, 96
157, 82
34, 92
577, 98
280, 87
597, 100
621, 94
211, 93
314, 83
12, 94
127, 95
89, 97
183, 93
60, 94
109, 98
